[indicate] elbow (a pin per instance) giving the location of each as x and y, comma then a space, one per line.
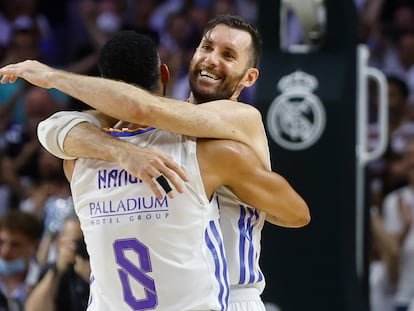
299, 216
300, 219
303, 216
136, 112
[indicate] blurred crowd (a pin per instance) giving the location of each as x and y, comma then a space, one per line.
43, 261
387, 28
68, 33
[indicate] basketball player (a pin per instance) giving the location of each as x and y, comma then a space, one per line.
222, 66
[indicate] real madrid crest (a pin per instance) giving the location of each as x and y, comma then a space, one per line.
296, 118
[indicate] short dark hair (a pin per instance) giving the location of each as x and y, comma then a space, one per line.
131, 57
240, 23
22, 222
401, 84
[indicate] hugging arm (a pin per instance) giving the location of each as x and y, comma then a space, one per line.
84, 139
223, 119
243, 173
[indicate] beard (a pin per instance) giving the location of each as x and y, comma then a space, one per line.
224, 90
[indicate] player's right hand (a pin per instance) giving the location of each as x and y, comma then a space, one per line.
148, 164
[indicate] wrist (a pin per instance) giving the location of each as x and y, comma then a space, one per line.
54, 269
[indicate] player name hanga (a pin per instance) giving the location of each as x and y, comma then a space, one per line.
115, 178
139, 204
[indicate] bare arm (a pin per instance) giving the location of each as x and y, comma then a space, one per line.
42, 297
236, 166
387, 245
86, 140
224, 119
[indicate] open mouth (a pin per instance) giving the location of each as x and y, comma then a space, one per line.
209, 75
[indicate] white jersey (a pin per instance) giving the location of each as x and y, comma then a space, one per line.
242, 228
394, 224
146, 253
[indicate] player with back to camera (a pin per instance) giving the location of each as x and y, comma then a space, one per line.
223, 64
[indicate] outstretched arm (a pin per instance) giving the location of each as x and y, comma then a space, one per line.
235, 165
224, 119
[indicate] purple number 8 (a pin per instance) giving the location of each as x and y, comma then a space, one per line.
130, 271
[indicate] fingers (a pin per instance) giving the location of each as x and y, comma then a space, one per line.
163, 182
163, 175
4, 79
172, 175
8, 78
153, 186
173, 167
148, 164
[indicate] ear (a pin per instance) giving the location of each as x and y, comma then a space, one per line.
165, 74
250, 77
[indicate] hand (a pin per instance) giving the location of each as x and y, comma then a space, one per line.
405, 216
30, 70
148, 164
66, 254
82, 268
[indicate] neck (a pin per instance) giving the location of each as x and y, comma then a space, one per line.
13, 282
123, 124
191, 99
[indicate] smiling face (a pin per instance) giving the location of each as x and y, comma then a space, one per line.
221, 65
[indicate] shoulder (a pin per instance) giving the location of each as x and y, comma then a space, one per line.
232, 106
222, 162
225, 151
222, 145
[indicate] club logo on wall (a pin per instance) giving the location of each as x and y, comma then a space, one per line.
296, 118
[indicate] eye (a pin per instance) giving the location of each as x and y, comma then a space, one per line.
206, 47
228, 54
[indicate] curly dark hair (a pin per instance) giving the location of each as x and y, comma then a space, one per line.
131, 57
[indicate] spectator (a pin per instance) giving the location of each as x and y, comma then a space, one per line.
398, 209
22, 144
19, 238
65, 283
384, 264
387, 173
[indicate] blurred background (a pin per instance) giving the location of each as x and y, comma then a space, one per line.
336, 92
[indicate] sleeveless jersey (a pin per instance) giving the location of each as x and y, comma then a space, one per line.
146, 253
242, 226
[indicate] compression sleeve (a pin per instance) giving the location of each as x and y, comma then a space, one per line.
52, 131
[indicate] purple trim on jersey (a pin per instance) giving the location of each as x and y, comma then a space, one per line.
260, 276
130, 133
242, 240
91, 280
248, 217
221, 244
253, 218
219, 260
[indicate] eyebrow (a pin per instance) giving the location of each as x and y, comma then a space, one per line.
227, 48
206, 38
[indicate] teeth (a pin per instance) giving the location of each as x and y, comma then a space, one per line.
209, 75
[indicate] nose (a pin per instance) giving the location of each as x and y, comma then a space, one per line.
5, 251
212, 58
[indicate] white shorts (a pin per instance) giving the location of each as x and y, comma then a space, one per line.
245, 299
